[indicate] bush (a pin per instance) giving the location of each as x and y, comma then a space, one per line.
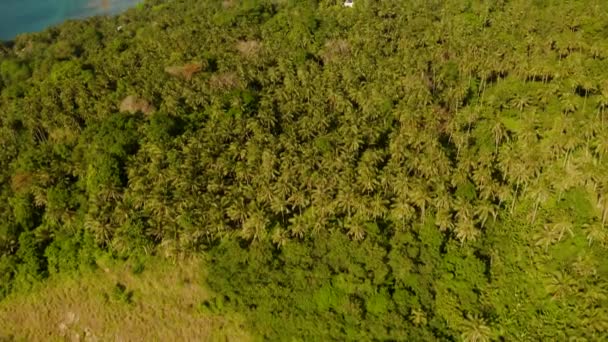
13, 71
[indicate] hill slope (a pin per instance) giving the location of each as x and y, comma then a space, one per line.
135, 301
399, 170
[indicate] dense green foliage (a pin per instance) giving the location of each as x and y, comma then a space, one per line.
402, 170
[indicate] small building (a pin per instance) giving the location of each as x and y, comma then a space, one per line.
349, 3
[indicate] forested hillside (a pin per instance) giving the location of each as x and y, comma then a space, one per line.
416, 170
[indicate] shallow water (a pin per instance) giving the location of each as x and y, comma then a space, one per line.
19, 16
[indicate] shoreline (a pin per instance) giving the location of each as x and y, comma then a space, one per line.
27, 19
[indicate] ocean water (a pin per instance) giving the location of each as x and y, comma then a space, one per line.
19, 16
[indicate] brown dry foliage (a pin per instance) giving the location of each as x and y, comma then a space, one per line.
164, 308
25, 50
248, 48
21, 181
4, 51
133, 104
185, 71
228, 3
66, 134
336, 49
226, 80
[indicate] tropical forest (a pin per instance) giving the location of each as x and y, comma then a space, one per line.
303, 170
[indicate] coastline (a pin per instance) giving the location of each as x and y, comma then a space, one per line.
32, 16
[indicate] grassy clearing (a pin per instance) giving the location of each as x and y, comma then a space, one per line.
119, 302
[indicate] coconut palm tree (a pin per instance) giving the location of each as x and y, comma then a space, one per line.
600, 143
444, 220
475, 329
499, 131
485, 210
602, 104
418, 317
560, 284
254, 226
546, 237
539, 192
465, 230
553, 233
419, 197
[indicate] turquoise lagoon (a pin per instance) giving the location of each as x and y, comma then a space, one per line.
20, 16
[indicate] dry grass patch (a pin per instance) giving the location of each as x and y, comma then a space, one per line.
335, 50
67, 134
185, 71
229, 3
248, 48
21, 181
133, 104
225, 80
114, 304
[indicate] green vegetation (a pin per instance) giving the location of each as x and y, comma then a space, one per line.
121, 301
400, 170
